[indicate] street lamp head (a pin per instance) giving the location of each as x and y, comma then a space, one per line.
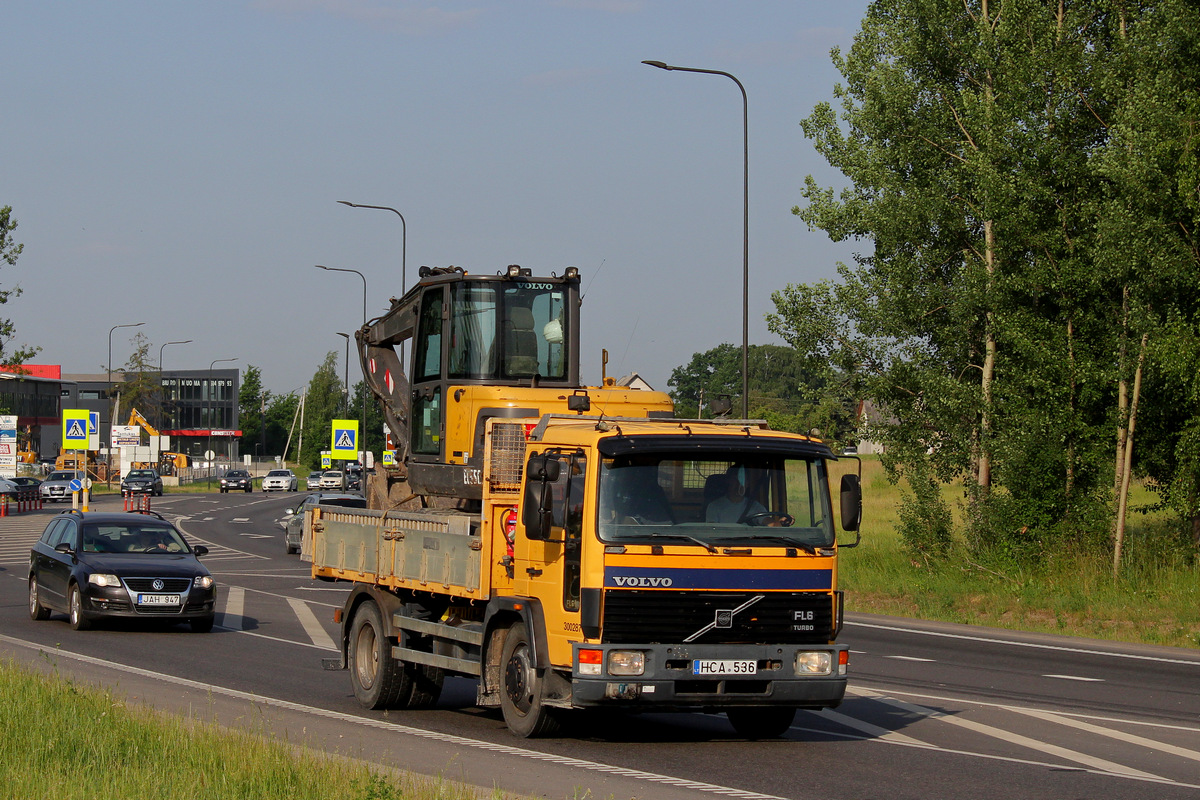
659, 64
348, 203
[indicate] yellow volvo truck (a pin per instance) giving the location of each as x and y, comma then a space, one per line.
633, 563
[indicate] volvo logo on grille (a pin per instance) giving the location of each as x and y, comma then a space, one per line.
724, 618
158, 584
646, 583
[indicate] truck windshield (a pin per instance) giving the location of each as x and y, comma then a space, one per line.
510, 330
767, 500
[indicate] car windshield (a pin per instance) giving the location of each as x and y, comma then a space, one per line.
237, 473
141, 473
62, 476
139, 537
279, 473
716, 500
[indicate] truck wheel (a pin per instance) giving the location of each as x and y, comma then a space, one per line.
769, 722
522, 690
426, 680
75, 615
379, 680
36, 609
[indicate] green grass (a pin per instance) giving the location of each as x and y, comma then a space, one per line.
64, 741
1155, 601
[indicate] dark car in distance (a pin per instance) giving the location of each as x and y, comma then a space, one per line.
142, 481
237, 480
137, 565
293, 521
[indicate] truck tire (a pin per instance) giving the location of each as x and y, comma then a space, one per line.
379, 680
767, 722
426, 680
522, 689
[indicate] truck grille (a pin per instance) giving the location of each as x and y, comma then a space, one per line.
662, 617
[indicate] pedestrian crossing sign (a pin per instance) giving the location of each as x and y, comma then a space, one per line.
75, 428
344, 445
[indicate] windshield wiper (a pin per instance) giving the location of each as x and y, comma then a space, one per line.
805, 546
700, 542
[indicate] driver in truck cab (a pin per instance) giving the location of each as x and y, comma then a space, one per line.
734, 505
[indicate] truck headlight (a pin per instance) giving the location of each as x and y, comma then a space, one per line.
626, 662
814, 663
103, 579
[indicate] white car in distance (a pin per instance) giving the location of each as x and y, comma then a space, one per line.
280, 480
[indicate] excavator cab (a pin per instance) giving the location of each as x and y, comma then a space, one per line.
480, 346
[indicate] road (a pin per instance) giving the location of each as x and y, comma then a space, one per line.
934, 710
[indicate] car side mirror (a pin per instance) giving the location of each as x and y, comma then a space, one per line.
64, 548
200, 550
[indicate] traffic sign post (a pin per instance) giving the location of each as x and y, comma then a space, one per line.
75, 428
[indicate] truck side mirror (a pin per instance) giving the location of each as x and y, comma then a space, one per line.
536, 514
851, 497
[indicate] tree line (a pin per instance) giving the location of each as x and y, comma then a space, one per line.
1023, 178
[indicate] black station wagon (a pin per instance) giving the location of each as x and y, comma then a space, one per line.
134, 565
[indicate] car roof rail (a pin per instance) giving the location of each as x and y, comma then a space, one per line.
148, 511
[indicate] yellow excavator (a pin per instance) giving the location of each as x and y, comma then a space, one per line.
482, 347
168, 462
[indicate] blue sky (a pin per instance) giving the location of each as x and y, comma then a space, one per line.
179, 164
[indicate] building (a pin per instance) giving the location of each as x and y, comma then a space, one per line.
198, 409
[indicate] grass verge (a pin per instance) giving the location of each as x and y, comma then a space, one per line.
1156, 600
66, 741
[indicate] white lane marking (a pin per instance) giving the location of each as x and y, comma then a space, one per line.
1075, 756
256, 536
235, 606
311, 625
1121, 736
873, 731
910, 658
1035, 645
460, 741
240, 519
1075, 678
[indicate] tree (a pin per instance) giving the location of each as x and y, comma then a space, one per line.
9, 250
789, 390
977, 318
323, 404
252, 410
139, 389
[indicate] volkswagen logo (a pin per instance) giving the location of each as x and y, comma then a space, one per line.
158, 584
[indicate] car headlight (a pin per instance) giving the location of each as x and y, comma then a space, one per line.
814, 663
626, 662
103, 579
202, 581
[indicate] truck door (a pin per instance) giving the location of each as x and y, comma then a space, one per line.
550, 568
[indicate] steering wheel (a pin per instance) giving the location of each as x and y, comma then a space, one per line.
771, 519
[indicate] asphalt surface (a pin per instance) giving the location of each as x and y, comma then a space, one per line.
933, 710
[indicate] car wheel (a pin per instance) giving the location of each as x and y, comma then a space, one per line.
36, 609
75, 609
203, 624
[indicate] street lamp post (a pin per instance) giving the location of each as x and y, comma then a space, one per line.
362, 432
745, 220
110, 333
210, 409
346, 336
161, 390
403, 238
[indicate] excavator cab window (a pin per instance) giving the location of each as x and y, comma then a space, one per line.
428, 362
533, 331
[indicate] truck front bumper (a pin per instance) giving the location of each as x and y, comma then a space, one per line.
682, 677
